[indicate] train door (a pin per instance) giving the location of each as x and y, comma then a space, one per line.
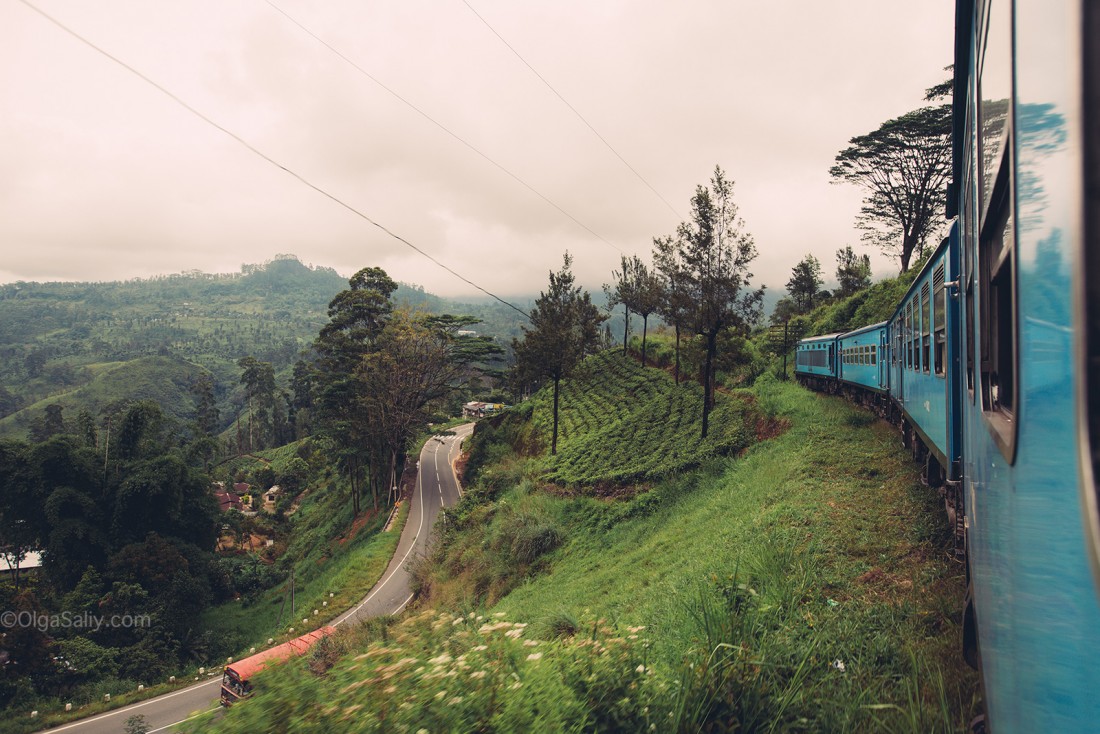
883, 364
898, 359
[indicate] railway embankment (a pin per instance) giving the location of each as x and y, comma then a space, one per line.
802, 582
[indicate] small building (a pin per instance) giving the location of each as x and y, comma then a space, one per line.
228, 501
29, 566
480, 410
271, 497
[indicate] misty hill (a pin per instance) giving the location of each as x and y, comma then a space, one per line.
67, 342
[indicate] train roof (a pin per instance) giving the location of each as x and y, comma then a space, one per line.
821, 337
862, 329
929, 264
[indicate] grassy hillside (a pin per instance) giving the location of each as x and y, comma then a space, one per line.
802, 585
164, 380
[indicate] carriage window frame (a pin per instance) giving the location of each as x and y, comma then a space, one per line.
926, 328
1089, 298
997, 304
909, 335
969, 234
915, 335
997, 268
939, 321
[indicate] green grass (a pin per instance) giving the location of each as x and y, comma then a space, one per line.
804, 586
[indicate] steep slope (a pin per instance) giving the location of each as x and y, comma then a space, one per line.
799, 585
165, 380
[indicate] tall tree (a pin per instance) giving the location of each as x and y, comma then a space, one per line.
357, 317
805, 283
647, 295
258, 379
421, 360
565, 328
675, 305
620, 291
206, 406
903, 167
716, 252
853, 272
639, 290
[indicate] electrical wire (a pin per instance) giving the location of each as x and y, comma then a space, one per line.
264, 156
574, 109
440, 125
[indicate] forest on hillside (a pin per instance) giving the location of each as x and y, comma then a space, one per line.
99, 346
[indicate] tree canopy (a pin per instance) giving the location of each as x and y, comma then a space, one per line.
853, 272
714, 251
903, 167
805, 283
565, 328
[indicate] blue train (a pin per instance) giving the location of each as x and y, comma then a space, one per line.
990, 365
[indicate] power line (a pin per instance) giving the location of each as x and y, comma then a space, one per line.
264, 156
571, 107
440, 125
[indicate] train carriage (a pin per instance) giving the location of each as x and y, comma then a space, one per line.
993, 357
924, 363
815, 363
1026, 139
862, 362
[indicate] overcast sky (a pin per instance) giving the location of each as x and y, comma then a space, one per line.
104, 177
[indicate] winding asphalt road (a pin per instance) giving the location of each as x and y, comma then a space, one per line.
436, 487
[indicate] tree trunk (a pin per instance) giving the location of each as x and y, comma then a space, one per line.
908, 245
645, 326
677, 372
708, 379
626, 328
554, 440
354, 489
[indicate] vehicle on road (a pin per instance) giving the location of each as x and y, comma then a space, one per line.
236, 680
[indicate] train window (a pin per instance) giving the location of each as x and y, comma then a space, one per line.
906, 319
939, 314
1090, 370
994, 90
970, 337
916, 333
926, 325
874, 354
997, 281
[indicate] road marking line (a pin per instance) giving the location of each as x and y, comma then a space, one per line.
181, 721
340, 620
401, 564
124, 709
395, 611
